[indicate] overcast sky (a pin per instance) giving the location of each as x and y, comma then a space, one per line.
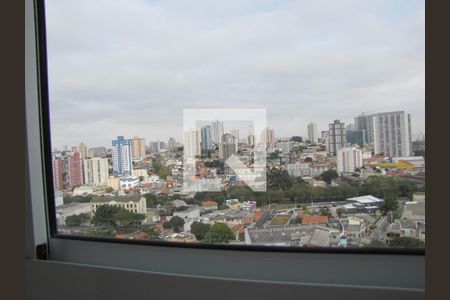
130, 67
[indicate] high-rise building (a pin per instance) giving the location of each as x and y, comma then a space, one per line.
206, 138
97, 152
122, 156
251, 140
138, 148
217, 131
57, 166
336, 137
392, 134
235, 133
348, 159
75, 171
191, 143
269, 137
365, 122
227, 146
162, 145
355, 136
158, 146
172, 144
313, 135
251, 136
82, 148
154, 147
96, 171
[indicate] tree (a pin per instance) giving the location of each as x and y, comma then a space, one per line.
77, 220
390, 204
219, 197
274, 155
308, 159
177, 223
160, 169
77, 199
109, 215
296, 139
340, 211
167, 225
125, 218
325, 211
406, 189
385, 186
152, 201
279, 179
406, 242
105, 215
164, 172
220, 233
151, 233
329, 175
156, 165
200, 230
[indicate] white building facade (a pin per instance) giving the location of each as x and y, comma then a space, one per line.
217, 131
96, 171
348, 159
313, 135
191, 143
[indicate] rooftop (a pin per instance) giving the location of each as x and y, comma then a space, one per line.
124, 199
320, 237
280, 220
368, 199
209, 203
312, 219
280, 235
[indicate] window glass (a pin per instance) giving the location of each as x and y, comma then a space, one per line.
244, 122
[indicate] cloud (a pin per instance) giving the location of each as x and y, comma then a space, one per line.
130, 67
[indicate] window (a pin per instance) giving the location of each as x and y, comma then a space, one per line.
393, 277
222, 102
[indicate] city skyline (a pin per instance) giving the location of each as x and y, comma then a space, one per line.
301, 61
244, 136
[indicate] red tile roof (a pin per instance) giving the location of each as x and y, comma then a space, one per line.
209, 203
308, 219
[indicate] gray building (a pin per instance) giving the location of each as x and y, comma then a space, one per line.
227, 146
390, 132
355, 136
206, 138
217, 131
313, 135
365, 122
336, 137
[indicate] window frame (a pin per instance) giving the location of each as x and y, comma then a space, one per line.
124, 253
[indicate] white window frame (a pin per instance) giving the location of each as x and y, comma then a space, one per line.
394, 273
